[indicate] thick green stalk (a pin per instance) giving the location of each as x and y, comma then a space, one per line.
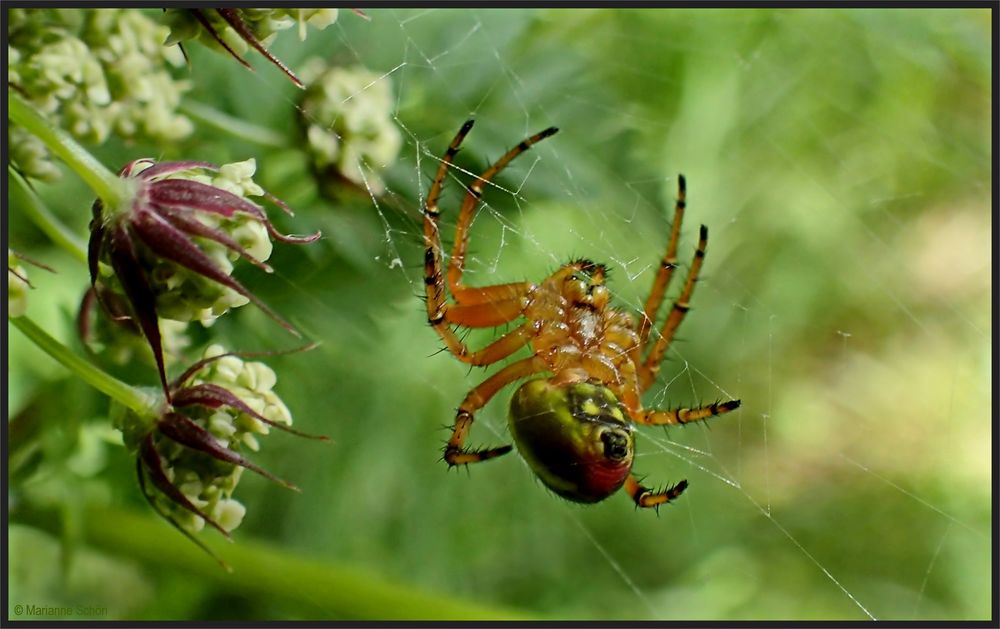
317, 590
105, 184
26, 201
127, 395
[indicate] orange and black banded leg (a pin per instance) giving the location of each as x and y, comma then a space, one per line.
491, 306
647, 498
488, 314
433, 265
667, 266
434, 285
498, 349
455, 452
484, 315
680, 416
651, 366
442, 315
456, 264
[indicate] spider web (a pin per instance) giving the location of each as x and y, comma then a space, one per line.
838, 409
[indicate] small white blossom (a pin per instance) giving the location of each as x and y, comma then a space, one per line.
347, 114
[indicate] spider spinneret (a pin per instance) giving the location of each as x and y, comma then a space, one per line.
573, 427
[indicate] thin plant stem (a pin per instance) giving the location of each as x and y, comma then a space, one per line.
25, 200
105, 184
127, 395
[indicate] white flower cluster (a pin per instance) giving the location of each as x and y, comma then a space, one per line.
183, 295
347, 115
208, 482
92, 72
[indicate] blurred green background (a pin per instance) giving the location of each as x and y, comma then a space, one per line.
841, 159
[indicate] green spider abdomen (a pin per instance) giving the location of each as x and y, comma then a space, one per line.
575, 437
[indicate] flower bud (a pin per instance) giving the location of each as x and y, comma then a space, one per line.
347, 117
17, 286
236, 31
190, 459
93, 72
17, 282
168, 251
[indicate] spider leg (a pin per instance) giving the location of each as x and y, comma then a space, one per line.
434, 284
479, 307
643, 496
433, 276
487, 314
456, 263
455, 452
650, 367
498, 349
646, 498
482, 318
667, 266
683, 415
514, 291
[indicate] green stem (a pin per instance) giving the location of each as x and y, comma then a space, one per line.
318, 590
114, 388
105, 184
25, 199
234, 126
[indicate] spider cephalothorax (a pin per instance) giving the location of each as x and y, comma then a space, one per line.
572, 427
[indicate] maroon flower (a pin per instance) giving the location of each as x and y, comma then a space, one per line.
233, 19
189, 459
149, 243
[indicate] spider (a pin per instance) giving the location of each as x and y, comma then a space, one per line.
573, 427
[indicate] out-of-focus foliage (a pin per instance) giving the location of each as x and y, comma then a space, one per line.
841, 161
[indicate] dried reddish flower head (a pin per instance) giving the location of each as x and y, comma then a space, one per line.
189, 458
171, 244
236, 31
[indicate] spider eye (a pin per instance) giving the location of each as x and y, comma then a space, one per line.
575, 437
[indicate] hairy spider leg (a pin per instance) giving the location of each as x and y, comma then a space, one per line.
488, 306
433, 277
667, 266
643, 496
437, 306
676, 417
455, 452
651, 366
488, 314
500, 348
456, 264
647, 498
